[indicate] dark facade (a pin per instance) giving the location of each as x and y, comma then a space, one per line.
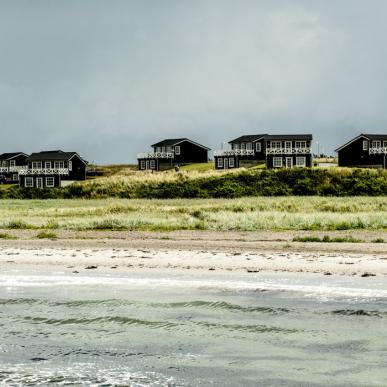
276, 151
52, 169
171, 152
289, 151
10, 165
247, 150
364, 151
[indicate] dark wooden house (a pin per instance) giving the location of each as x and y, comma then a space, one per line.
52, 169
364, 151
246, 151
10, 165
172, 152
277, 151
288, 150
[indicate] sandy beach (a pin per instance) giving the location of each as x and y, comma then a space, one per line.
197, 251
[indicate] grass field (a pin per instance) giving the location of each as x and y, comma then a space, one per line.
246, 214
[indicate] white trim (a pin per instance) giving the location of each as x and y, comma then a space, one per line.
51, 179
279, 164
29, 180
12, 163
47, 164
40, 184
177, 149
152, 164
220, 162
185, 139
142, 164
365, 145
18, 154
258, 147
351, 141
291, 162
302, 164
231, 162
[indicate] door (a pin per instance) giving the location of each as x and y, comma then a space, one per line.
39, 182
225, 163
147, 165
289, 162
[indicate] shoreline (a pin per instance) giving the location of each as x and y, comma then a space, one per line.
198, 251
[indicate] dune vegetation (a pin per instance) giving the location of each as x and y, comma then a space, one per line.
245, 214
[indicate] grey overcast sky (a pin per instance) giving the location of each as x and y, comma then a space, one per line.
107, 78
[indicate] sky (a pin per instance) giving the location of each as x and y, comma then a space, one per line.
108, 78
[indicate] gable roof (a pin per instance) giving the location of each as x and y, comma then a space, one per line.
247, 138
366, 136
9, 156
176, 141
54, 155
302, 137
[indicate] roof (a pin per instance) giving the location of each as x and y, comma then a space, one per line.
303, 137
247, 138
367, 136
176, 141
53, 155
9, 156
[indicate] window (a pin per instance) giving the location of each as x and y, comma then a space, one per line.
159, 149
243, 145
15, 177
50, 182
231, 162
249, 146
169, 149
70, 165
12, 163
300, 161
384, 144
177, 149
277, 162
235, 146
365, 145
37, 165
288, 144
300, 144
59, 164
47, 165
258, 147
142, 164
29, 182
152, 164
220, 162
375, 144
276, 144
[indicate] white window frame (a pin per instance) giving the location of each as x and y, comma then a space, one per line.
70, 165
249, 146
365, 145
384, 144
376, 144
276, 144
169, 149
277, 162
235, 146
50, 182
29, 182
152, 164
36, 165
301, 162
300, 144
177, 150
159, 149
220, 162
258, 147
142, 164
231, 163
47, 164
12, 163
15, 177
288, 145
59, 164
243, 146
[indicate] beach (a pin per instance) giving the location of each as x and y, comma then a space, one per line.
195, 251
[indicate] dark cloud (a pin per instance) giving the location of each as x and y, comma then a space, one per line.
108, 78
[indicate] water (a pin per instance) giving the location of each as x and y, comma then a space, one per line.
192, 330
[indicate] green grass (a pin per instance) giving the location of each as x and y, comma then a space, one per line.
246, 214
46, 235
6, 236
327, 239
199, 167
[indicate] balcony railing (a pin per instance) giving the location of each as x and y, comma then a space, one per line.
378, 151
156, 155
12, 169
234, 152
287, 151
44, 171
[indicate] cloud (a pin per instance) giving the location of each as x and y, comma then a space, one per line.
108, 79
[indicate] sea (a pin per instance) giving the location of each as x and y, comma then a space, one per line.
158, 328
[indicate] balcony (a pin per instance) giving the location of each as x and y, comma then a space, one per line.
288, 151
12, 169
156, 155
234, 152
44, 171
378, 151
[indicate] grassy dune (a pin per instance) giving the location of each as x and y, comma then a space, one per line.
264, 213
